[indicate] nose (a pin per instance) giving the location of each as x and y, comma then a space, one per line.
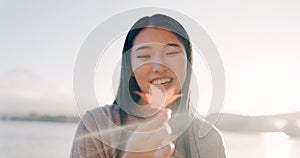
158, 67
158, 62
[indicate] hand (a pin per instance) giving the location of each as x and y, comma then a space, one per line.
157, 98
165, 152
150, 139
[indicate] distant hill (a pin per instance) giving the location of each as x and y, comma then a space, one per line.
288, 123
37, 117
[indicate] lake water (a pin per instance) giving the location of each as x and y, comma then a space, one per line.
22, 139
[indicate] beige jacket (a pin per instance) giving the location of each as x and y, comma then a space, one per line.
97, 136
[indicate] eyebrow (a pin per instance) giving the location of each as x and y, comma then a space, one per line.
172, 45
149, 47
142, 47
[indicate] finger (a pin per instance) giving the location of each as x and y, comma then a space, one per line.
154, 92
147, 110
171, 96
144, 96
150, 140
172, 149
166, 151
155, 98
163, 116
161, 135
158, 97
171, 91
177, 96
172, 99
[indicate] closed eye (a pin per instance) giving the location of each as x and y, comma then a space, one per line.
143, 56
171, 53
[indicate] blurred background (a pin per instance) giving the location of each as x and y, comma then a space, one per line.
259, 42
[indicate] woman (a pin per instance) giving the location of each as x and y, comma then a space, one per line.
155, 78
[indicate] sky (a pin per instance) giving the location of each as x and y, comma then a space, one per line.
258, 41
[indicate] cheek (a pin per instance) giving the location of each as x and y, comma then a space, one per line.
141, 76
181, 74
180, 68
138, 74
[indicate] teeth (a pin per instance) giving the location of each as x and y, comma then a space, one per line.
161, 81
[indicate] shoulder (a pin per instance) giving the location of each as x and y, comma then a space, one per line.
101, 117
206, 130
90, 138
209, 139
108, 110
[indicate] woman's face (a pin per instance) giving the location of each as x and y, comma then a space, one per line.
158, 58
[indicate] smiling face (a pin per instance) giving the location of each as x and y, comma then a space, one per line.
158, 58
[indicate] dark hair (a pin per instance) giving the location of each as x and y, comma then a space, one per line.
125, 96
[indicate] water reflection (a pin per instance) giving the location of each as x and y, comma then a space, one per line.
277, 145
37, 139
261, 145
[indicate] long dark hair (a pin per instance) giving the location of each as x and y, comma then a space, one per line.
126, 97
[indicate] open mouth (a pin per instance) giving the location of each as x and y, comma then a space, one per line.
161, 81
